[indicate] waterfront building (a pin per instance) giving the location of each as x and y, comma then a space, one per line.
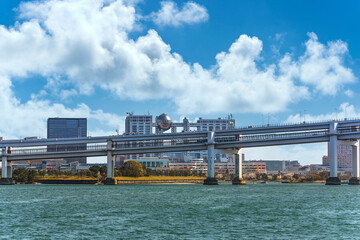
193, 166
274, 166
254, 167
153, 163
67, 128
223, 168
319, 168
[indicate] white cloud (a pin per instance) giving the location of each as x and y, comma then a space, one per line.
29, 119
345, 110
79, 45
67, 93
349, 93
169, 14
321, 66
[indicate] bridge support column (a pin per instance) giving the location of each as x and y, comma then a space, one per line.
238, 179
211, 180
110, 180
355, 179
6, 172
333, 179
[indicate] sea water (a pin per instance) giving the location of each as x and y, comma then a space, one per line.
253, 211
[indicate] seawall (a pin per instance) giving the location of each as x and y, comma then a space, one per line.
56, 181
175, 181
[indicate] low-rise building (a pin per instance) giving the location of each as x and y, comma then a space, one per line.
154, 163
254, 167
193, 166
319, 168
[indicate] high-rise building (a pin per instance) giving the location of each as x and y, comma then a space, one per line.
344, 158
138, 124
67, 128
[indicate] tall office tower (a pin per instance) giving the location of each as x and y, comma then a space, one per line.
138, 124
67, 128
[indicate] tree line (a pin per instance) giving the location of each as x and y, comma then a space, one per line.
129, 169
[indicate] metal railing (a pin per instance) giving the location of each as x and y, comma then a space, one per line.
57, 149
266, 137
156, 143
297, 123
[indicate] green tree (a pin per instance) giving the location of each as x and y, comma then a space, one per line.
118, 172
94, 170
69, 173
326, 174
20, 175
23, 175
133, 169
31, 176
41, 173
148, 172
103, 171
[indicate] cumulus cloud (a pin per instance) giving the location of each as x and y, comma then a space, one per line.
84, 44
349, 93
345, 110
321, 66
170, 14
29, 119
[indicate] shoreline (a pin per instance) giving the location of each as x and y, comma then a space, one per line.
153, 180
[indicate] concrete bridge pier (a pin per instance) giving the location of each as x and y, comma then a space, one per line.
333, 179
6, 170
211, 180
238, 179
110, 180
355, 179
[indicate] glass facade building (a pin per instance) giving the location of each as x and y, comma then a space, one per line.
67, 128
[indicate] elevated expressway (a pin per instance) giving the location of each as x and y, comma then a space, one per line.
227, 141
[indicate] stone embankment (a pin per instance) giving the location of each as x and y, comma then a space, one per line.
175, 181
58, 181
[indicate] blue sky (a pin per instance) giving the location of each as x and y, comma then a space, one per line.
259, 60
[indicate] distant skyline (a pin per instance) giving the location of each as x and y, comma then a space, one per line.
262, 61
